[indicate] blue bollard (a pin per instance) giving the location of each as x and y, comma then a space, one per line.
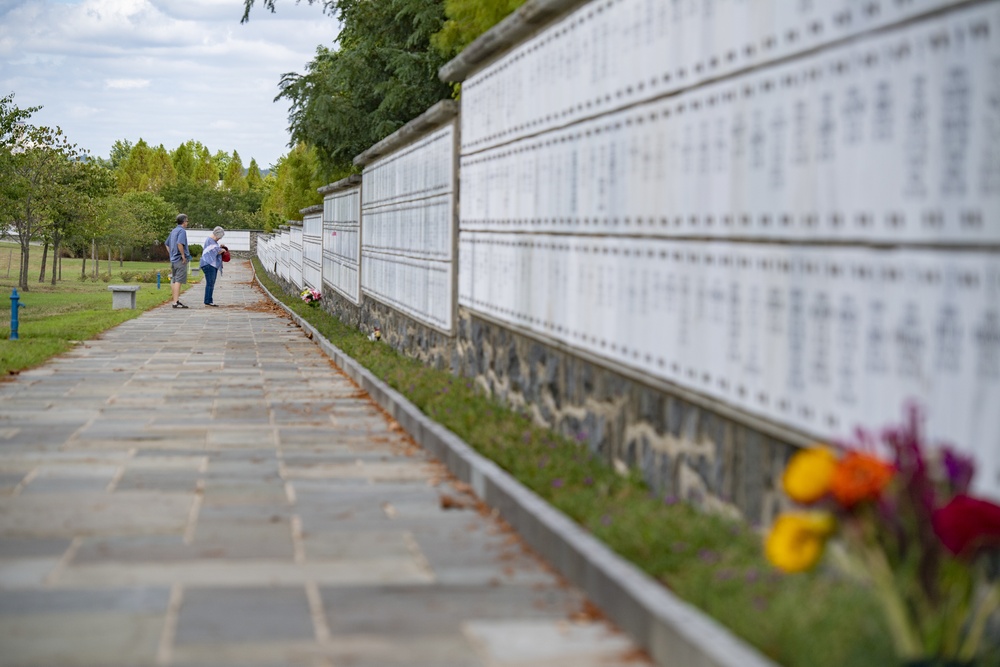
14, 307
157, 280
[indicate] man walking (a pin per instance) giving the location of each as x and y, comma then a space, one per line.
177, 244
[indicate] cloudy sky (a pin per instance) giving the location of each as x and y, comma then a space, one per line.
161, 70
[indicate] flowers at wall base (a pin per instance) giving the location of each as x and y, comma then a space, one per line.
909, 529
310, 296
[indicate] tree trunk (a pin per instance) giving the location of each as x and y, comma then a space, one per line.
83, 266
22, 272
109, 260
56, 260
121, 258
45, 257
97, 262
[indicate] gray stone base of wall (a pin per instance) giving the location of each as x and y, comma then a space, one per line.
683, 449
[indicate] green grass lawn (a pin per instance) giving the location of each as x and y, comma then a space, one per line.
55, 317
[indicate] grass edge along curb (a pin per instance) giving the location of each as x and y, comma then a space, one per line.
670, 629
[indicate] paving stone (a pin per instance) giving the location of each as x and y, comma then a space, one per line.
436, 609
259, 614
66, 485
27, 547
56, 515
519, 643
91, 639
158, 480
133, 600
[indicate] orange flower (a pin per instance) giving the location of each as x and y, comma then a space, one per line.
808, 474
859, 477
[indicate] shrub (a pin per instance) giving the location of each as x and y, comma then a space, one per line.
127, 276
196, 250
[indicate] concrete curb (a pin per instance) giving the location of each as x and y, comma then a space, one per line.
674, 633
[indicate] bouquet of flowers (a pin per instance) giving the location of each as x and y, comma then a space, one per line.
311, 296
908, 527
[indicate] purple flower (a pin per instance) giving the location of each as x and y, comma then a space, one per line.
959, 470
670, 500
581, 436
708, 556
557, 483
751, 575
588, 480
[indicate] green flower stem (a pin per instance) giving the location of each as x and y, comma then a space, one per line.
905, 637
990, 603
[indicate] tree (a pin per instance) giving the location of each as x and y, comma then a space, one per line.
184, 160
32, 160
233, 179
136, 219
119, 152
145, 169
467, 20
297, 178
382, 74
254, 180
206, 170
86, 185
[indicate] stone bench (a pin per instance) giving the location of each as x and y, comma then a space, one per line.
123, 296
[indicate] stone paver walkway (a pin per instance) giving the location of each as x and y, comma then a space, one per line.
203, 487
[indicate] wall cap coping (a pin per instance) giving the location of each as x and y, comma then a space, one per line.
433, 118
310, 210
526, 20
351, 181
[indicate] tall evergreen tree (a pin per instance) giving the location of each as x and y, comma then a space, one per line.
254, 178
234, 179
184, 160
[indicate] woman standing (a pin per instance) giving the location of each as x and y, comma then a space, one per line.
211, 262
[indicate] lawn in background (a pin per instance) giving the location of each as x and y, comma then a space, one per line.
56, 317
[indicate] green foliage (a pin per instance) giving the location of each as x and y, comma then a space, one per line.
208, 206
381, 74
297, 177
36, 164
254, 179
233, 178
196, 250
145, 169
467, 20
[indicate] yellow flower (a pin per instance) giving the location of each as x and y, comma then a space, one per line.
807, 476
796, 541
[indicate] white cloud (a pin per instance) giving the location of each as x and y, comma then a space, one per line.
127, 83
162, 70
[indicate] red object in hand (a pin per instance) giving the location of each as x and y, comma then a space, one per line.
225, 253
967, 523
